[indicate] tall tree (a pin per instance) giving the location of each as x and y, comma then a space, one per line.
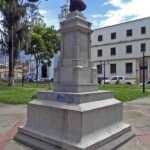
44, 43
15, 16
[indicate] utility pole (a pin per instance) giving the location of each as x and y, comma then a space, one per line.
12, 57
143, 73
104, 63
104, 72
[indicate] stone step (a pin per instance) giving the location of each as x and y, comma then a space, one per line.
83, 97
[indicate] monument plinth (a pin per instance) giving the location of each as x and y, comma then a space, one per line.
75, 72
75, 116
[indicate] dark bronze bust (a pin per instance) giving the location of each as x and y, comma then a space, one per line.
77, 5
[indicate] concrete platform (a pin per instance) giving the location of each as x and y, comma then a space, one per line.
136, 113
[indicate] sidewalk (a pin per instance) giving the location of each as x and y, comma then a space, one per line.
136, 113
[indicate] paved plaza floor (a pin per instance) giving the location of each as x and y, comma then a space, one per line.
136, 113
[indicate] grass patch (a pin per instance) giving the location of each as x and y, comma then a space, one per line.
125, 93
19, 94
23, 95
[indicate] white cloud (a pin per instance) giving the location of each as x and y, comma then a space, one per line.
115, 3
97, 16
133, 9
42, 12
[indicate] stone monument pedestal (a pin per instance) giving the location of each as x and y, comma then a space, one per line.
75, 116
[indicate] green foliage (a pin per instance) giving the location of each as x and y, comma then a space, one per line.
15, 31
20, 95
125, 93
17, 96
44, 43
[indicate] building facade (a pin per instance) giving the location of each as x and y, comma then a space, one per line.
44, 71
37, 19
64, 12
119, 49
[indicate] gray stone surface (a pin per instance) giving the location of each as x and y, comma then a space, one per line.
18, 113
75, 72
83, 97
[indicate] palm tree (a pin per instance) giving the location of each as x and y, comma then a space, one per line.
16, 14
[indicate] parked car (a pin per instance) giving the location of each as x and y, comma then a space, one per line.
45, 79
17, 79
52, 80
28, 77
99, 79
147, 83
5, 79
119, 79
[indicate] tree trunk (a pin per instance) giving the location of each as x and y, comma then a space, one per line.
37, 68
11, 64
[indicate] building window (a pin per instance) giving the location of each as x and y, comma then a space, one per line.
129, 32
100, 38
99, 53
128, 67
113, 51
113, 35
143, 30
129, 49
99, 69
112, 68
143, 47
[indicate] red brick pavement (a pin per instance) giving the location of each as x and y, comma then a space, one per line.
139, 111
144, 137
4, 140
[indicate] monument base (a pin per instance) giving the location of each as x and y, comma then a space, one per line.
56, 125
37, 144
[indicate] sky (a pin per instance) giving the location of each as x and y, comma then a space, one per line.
100, 13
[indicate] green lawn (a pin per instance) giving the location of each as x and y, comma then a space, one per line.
19, 94
125, 93
22, 95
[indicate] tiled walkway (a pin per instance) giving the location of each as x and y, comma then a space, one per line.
136, 113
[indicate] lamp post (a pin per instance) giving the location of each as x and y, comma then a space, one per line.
23, 74
11, 78
104, 63
143, 72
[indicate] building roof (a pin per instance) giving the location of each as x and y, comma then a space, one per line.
37, 14
123, 23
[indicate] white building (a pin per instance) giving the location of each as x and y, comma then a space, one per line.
44, 71
37, 19
64, 12
121, 48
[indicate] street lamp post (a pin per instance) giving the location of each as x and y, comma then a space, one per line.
143, 73
104, 63
11, 76
104, 72
22, 74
